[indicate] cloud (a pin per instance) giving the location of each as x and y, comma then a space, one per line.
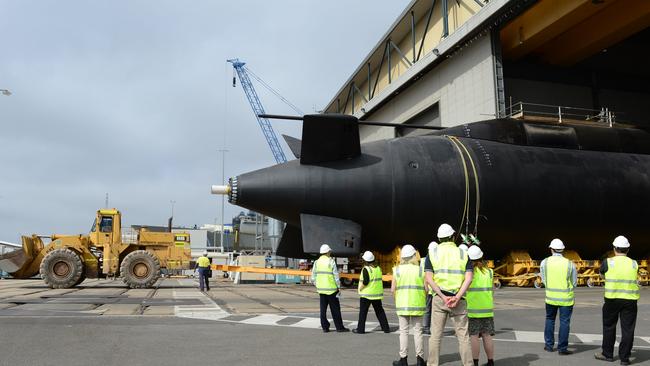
134, 98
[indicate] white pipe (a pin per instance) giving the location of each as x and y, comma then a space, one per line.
8, 244
219, 189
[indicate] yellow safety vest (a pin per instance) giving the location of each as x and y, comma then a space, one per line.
375, 288
449, 263
410, 298
480, 303
325, 282
559, 284
621, 278
203, 262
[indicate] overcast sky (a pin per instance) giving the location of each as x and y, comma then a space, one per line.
134, 98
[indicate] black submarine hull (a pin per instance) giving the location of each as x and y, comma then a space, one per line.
513, 195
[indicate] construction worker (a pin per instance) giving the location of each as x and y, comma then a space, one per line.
449, 273
325, 276
480, 307
203, 267
560, 277
371, 291
621, 296
426, 320
410, 303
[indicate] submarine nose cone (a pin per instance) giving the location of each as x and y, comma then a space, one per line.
276, 191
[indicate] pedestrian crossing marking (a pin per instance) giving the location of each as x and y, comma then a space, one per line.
531, 337
211, 311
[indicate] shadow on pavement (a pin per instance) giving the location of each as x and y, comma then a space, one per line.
580, 348
449, 357
522, 360
639, 355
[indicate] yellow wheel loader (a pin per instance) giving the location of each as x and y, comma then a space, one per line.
69, 259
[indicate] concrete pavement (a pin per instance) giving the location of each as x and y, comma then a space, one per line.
254, 324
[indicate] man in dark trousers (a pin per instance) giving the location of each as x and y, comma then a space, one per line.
325, 276
371, 291
203, 267
621, 296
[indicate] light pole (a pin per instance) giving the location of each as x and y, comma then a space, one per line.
173, 203
223, 182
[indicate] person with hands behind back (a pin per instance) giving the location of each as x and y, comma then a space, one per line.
449, 273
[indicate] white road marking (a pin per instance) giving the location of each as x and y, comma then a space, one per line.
211, 311
311, 323
264, 319
531, 337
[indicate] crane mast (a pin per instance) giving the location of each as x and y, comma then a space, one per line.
258, 109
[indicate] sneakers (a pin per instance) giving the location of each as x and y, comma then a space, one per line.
421, 362
401, 362
602, 357
548, 349
356, 331
565, 352
625, 362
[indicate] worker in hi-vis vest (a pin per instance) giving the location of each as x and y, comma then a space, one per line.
203, 267
371, 291
410, 303
426, 319
480, 307
621, 296
325, 276
560, 277
449, 273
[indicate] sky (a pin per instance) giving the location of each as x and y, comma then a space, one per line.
134, 98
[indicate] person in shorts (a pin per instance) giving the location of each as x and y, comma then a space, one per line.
480, 307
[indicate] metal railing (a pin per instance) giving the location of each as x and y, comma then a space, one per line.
560, 113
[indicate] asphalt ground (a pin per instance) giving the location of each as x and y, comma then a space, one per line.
103, 322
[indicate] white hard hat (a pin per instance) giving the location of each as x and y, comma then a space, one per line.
368, 256
474, 252
325, 249
463, 246
445, 231
407, 251
556, 244
205, 253
432, 245
621, 242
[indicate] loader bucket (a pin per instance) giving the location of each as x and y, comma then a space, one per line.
19, 263
13, 261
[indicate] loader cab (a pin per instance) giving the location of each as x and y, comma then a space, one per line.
107, 228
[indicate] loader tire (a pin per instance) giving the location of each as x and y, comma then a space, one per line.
82, 278
140, 269
61, 268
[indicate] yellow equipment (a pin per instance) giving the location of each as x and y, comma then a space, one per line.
69, 259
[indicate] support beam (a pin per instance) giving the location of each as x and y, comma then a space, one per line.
598, 32
543, 22
445, 18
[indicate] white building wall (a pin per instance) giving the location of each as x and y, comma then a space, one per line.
198, 237
463, 85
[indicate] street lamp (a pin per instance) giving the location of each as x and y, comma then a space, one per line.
5, 92
223, 182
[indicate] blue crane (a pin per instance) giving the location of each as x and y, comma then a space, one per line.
243, 73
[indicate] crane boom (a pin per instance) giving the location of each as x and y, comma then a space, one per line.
258, 109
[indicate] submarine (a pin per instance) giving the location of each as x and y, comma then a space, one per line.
516, 184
